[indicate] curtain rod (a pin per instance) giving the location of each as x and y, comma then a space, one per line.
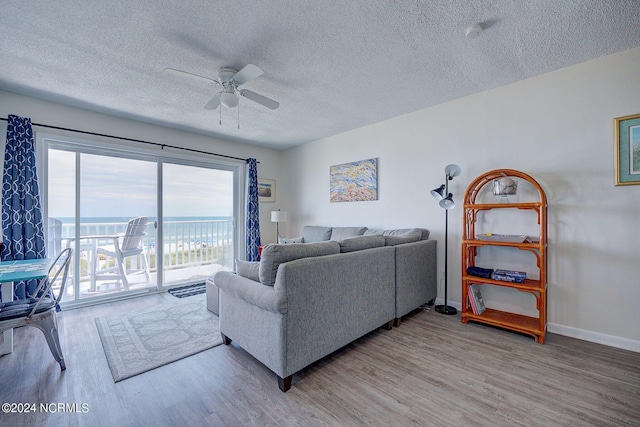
157, 144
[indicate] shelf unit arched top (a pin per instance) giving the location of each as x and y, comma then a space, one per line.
486, 178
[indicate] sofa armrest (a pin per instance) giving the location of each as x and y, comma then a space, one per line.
254, 293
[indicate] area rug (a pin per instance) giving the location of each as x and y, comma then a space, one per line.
187, 291
140, 341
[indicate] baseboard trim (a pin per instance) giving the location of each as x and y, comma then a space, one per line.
582, 334
596, 337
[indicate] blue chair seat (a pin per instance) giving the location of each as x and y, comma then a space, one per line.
22, 308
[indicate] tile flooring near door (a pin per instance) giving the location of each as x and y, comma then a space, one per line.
432, 371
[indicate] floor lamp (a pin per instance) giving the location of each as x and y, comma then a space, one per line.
446, 202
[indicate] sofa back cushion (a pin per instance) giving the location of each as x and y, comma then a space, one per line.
248, 269
359, 243
424, 233
339, 233
274, 255
400, 239
314, 233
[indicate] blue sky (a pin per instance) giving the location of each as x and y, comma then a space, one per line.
117, 187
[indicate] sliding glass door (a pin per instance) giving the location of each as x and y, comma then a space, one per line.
137, 222
197, 218
93, 199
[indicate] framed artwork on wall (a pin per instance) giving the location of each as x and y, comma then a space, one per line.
267, 190
627, 149
354, 182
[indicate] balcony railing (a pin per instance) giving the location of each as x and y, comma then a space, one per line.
188, 246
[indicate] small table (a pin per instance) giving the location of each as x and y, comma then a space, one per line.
17, 271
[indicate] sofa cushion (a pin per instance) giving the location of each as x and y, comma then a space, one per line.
248, 269
314, 233
274, 255
359, 243
338, 233
287, 240
424, 233
402, 238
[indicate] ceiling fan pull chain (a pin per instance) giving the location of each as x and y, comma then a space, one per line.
238, 116
220, 111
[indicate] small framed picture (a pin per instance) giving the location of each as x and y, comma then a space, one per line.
627, 149
267, 190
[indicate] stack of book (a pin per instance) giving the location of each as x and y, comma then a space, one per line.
475, 299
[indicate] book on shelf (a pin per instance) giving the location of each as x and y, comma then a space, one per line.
470, 298
509, 276
502, 275
477, 298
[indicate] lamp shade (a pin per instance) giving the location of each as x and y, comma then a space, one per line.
279, 216
452, 170
447, 203
438, 193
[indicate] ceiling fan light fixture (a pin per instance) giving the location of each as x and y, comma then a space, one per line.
229, 99
473, 31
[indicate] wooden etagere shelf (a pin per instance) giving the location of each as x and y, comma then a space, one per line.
534, 326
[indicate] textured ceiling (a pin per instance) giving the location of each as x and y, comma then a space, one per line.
334, 65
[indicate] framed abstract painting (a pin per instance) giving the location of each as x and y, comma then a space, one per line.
354, 182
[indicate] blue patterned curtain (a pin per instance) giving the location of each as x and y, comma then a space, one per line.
253, 212
22, 228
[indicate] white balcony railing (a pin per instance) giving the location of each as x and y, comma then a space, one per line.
187, 245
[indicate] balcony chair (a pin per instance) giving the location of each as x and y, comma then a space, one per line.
40, 310
127, 245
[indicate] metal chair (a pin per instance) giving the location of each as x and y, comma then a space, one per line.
128, 245
40, 310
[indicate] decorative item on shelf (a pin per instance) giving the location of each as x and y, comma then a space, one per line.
504, 187
446, 202
278, 217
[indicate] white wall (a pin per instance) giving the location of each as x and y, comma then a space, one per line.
54, 114
558, 128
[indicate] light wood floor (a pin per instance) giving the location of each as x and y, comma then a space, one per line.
431, 371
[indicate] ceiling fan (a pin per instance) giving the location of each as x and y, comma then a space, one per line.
230, 80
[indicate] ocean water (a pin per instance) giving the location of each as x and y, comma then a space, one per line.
196, 229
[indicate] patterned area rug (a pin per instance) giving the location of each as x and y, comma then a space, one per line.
138, 342
187, 291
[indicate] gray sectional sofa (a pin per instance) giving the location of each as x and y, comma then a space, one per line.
303, 301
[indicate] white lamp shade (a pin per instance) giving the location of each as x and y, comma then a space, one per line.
452, 170
279, 216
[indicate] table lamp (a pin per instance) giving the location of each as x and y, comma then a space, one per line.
278, 217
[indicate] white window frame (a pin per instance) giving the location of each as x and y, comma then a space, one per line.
138, 151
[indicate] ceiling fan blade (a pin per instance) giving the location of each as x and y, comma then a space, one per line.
190, 75
214, 103
249, 72
262, 100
